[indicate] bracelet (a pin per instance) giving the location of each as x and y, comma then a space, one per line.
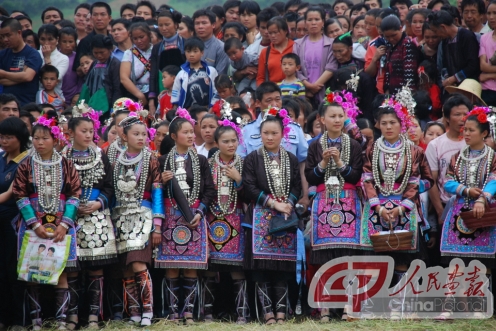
35, 226
199, 211
158, 232
466, 191
64, 225
400, 211
320, 167
272, 205
380, 211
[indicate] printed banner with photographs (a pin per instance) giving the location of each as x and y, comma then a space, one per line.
42, 260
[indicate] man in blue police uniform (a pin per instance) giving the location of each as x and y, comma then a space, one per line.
268, 94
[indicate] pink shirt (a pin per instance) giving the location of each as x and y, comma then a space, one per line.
439, 153
313, 58
487, 48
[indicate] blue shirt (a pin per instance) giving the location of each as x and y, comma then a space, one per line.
17, 62
8, 170
118, 54
252, 140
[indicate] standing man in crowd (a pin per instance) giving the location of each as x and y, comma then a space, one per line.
19, 63
214, 54
101, 15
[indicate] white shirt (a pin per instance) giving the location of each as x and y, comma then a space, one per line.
61, 62
201, 150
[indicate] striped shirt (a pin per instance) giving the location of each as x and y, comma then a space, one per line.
296, 88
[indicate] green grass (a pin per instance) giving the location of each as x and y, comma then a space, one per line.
311, 325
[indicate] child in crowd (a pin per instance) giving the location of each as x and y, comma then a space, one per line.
427, 72
234, 30
246, 115
224, 86
236, 102
305, 110
197, 112
85, 64
103, 84
169, 74
71, 83
240, 59
194, 83
313, 127
74, 100
432, 131
248, 96
49, 77
291, 85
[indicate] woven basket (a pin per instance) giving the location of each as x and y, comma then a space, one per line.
392, 240
489, 219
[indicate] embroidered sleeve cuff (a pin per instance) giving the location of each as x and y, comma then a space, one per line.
426, 185
318, 172
367, 177
345, 170
408, 204
157, 221
374, 202
238, 187
103, 200
27, 211
70, 212
262, 199
460, 190
414, 180
152, 94
199, 211
67, 221
292, 199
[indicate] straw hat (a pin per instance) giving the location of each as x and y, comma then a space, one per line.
470, 88
119, 104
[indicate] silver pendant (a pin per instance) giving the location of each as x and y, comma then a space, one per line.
333, 181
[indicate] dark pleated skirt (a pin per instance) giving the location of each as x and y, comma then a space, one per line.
218, 267
143, 255
323, 256
96, 264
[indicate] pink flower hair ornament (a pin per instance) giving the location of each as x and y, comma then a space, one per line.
151, 133
226, 122
83, 110
346, 100
283, 115
402, 112
53, 126
404, 105
183, 113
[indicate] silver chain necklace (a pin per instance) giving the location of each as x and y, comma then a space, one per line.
333, 180
48, 179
